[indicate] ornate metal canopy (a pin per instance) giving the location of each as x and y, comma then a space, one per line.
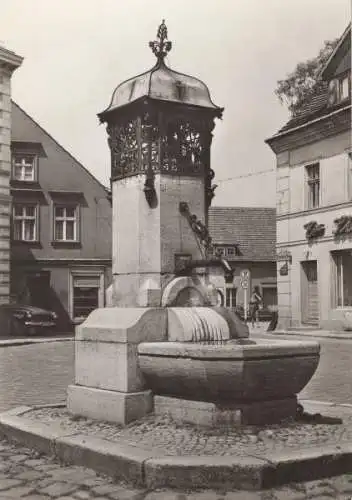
161, 121
161, 83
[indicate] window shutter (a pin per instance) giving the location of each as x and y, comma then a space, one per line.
86, 281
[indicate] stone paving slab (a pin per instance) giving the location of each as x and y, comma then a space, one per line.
154, 468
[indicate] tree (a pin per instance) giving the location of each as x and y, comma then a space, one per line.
304, 82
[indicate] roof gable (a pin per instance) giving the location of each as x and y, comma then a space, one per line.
25, 130
318, 106
252, 229
340, 59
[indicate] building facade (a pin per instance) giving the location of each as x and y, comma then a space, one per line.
9, 62
245, 237
314, 203
61, 227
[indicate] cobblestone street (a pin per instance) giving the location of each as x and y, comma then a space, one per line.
26, 474
35, 374
40, 373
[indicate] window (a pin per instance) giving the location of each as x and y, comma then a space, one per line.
221, 251
349, 174
25, 222
24, 167
313, 181
85, 300
87, 293
65, 223
231, 252
339, 89
343, 88
343, 278
230, 297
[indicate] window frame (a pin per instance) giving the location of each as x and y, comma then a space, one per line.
346, 77
76, 219
312, 183
231, 294
23, 155
95, 273
23, 218
349, 174
338, 277
224, 249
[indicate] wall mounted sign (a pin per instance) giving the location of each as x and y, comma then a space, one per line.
284, 256
284, 270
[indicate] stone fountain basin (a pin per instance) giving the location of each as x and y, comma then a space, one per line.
238, 370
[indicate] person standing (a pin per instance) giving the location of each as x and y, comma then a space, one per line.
254, 305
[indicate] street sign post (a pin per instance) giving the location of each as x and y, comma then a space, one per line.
245, 278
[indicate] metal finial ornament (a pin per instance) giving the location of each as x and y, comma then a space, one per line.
161, 46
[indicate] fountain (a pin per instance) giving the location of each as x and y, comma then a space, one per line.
164, 346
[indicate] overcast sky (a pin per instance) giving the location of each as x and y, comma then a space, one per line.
77, 51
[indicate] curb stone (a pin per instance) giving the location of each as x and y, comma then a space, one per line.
321, 334
121, 461
152, 469
30, 341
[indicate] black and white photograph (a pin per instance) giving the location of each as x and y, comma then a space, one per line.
175, 250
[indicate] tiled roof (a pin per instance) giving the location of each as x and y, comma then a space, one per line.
252, 229
317, 106
313, 108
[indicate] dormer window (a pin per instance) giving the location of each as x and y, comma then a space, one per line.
339, 89
24, 167
225, 251
344, 91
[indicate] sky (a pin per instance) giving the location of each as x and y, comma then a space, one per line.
77, 51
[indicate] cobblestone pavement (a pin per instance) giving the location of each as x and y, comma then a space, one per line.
331, 382
35, 374
40, 373
26, 474
160, 432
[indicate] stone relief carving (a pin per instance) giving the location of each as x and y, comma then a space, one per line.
343, 226
314, 230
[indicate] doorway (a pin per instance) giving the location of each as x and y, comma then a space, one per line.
38, 284
310, 295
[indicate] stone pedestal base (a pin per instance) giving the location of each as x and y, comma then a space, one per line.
212, 415
111, 406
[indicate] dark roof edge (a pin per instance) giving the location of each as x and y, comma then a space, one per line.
306, 124
241, 207
106, 189
336, 49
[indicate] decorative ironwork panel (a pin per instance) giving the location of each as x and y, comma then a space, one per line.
124, 145
150, 138
179, 146
183, 147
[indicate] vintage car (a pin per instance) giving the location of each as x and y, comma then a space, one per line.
22, 320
